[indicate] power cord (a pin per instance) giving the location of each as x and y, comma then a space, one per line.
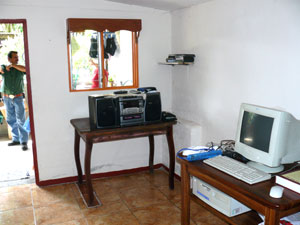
227, 145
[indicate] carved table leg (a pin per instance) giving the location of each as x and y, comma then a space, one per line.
87, 170
171, 156
77, 157
185, 195
271, 217
151, 154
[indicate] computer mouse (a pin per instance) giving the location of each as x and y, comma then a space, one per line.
276, 191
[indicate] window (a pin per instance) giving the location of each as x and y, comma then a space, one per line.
103, 53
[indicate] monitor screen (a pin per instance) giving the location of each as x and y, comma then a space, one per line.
256, 131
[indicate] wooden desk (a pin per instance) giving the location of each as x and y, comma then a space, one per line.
82, 129
254, 196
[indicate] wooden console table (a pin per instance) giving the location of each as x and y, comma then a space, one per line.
254, 196
82, 129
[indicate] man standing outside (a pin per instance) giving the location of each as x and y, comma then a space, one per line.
13, 88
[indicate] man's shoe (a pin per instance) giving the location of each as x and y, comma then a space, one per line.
14, 143
24, 146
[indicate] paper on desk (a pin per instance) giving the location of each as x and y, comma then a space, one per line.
294, 219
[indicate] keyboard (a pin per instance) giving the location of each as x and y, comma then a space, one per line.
237, 169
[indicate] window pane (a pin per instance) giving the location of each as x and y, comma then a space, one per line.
103, 60
118, 58
84, 60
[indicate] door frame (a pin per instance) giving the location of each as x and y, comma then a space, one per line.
29, 93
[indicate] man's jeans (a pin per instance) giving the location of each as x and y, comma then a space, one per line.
15, 117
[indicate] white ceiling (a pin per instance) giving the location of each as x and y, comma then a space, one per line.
168, 5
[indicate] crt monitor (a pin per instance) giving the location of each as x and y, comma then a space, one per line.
267, 137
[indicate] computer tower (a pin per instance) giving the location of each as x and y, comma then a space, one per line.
152, 107
103, 112
217, 199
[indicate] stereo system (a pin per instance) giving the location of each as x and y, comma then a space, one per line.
125, 109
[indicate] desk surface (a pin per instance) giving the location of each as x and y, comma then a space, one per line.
255, 196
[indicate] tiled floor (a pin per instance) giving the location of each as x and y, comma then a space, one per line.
137, 199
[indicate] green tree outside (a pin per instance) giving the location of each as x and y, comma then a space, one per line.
11, 39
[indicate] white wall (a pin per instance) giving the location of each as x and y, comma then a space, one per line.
54, 105
246, 51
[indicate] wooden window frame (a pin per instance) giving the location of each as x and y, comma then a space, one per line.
100, 25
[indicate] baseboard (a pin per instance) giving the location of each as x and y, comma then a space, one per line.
102, 175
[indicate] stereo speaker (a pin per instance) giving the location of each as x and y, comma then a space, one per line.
152, 107
102, 112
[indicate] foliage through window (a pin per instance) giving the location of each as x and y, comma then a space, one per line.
11, 39
103, 53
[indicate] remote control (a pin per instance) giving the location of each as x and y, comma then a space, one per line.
120, 92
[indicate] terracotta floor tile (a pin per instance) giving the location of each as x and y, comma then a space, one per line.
197, 209
102, 186
158, 214
116, 218
74, 222
141, 197
158, 178
173, 195
107, 196
105, 192
209, 220
203, 217
101, 181
15, 199
22, 216
105, 209
75, 190
140, 175
137, 199
59, 212
129, 181
43, 196
81, 203
19, 188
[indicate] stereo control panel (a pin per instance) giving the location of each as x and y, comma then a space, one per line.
131, 110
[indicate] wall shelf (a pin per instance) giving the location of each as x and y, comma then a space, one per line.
176, 63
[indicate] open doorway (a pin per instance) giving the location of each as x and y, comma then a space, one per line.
17, 165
